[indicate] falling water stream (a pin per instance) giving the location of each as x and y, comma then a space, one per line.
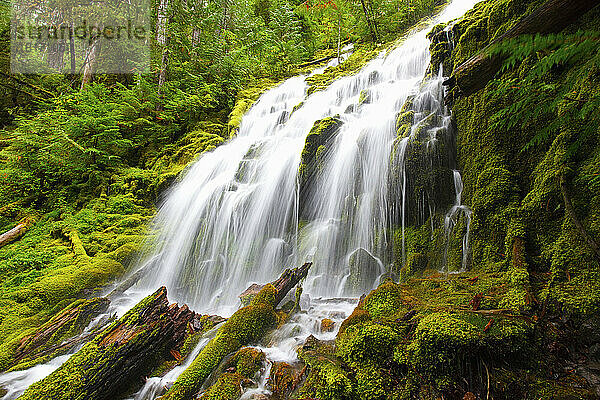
235, 219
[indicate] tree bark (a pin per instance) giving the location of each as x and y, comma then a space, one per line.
551, 17
288, 279
120, 355
13, 234
162, 39
89, 64
370, 22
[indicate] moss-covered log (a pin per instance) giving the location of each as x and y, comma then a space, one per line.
248, 324
551, 17
120, 355
60, 334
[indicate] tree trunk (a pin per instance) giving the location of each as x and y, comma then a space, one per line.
89, 64
72, 48
13, 234
121, 355
162, 39
370, 22
551, 17
288, 279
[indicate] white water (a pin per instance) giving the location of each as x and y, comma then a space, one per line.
451, 220
233, 219
282, 344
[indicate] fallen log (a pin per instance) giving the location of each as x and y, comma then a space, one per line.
60, 334
317, 61
119, 356
14, 233
551, 17
247, 325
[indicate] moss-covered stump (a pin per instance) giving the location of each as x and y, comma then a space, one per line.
120, 355
59, 334
247, 325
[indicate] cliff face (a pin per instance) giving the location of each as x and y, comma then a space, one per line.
528, 152
521, 321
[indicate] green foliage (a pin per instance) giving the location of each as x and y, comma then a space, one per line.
537, 94
385, 301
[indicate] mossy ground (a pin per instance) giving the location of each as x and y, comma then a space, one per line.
425, 339
83, 236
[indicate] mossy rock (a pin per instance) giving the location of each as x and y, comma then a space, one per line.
246, 325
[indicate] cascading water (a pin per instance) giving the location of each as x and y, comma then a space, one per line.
237, 215
233, 218
451, 220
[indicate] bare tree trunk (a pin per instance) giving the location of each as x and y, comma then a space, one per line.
552, 16
370, 22
72, 47
90, 63
162, 40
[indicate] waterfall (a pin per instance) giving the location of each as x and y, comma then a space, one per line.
237, 215
451, 220
233, 219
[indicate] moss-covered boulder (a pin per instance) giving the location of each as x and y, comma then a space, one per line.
315, 149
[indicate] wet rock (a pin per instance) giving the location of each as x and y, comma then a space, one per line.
327, 325
284, 379
364, 270
365, 97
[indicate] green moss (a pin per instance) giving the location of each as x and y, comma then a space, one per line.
244, 101
248, 361
351, 66
245, 326
366, 341
65, 325
326, 379
385, 301
98, 357
227, 387
245, 363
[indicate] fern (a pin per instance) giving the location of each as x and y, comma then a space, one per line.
545, 92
